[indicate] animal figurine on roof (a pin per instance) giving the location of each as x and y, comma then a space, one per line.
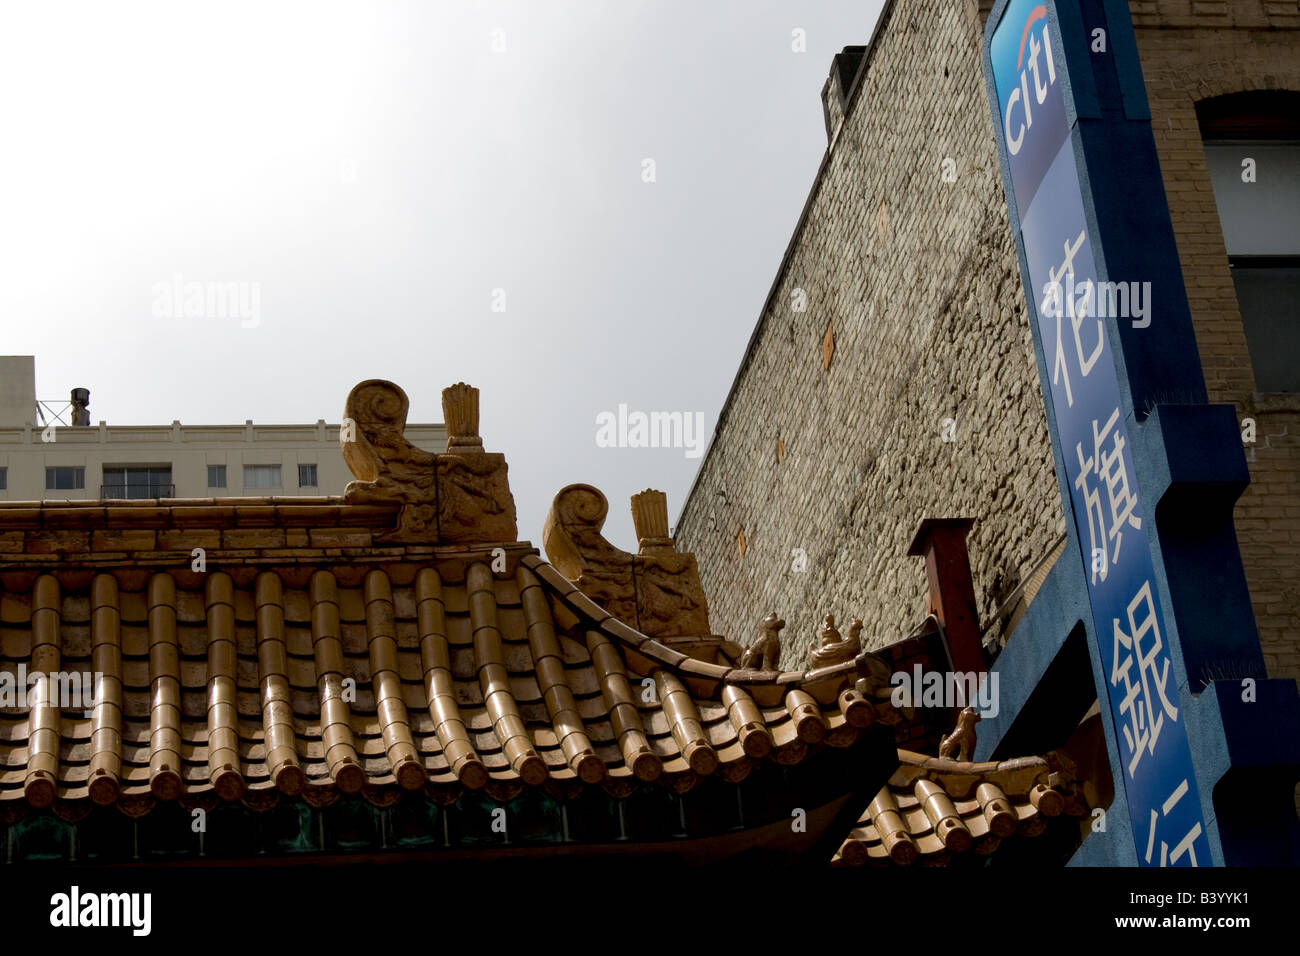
832, 648
961, 742
765, 653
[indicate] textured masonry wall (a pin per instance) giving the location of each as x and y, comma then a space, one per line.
919, 280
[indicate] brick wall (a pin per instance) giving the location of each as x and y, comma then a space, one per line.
1193, 51
916, 278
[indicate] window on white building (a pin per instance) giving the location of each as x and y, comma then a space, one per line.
137, 481
306, 476
262, 476
65, 478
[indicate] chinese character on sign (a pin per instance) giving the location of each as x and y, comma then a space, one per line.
1058, 301
1108, 465
1143, 646
1185, 845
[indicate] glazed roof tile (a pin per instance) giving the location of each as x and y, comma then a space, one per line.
932, 808
441, 677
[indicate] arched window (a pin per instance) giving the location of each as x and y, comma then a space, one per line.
1252, 148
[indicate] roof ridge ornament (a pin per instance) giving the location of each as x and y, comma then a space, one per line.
657, 590
960, 744
765, 653
460, 497
831, 647
650, 518
460, 413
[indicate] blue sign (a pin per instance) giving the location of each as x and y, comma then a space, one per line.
1072, 306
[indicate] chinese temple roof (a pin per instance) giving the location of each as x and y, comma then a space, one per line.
400, 640
463, 678
932, 808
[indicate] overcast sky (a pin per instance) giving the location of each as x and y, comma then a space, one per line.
372, 172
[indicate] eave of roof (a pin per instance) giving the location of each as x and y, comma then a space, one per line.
933, 808
228, 682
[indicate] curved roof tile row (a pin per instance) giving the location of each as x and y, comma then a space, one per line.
440, 679
932, 808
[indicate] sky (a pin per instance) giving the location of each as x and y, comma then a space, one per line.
572, 206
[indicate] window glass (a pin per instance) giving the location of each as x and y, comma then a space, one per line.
1257, 189
65, 478
1252, 152
307, 476
262, 476
137, 481
216, 476
1268, 292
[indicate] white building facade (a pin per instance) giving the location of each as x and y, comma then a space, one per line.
42, 459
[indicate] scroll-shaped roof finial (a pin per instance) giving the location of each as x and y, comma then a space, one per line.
657, 590
460, 497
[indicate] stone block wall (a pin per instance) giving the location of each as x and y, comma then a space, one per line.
915, 274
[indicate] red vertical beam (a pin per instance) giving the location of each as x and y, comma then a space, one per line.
942, 542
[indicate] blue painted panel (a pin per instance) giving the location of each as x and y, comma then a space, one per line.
1075, 327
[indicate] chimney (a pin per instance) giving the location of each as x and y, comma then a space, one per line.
835, 94
80, 407
942, 542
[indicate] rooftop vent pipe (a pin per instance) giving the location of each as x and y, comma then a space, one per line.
80, 406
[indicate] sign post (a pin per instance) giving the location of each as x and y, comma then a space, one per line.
1123, 388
